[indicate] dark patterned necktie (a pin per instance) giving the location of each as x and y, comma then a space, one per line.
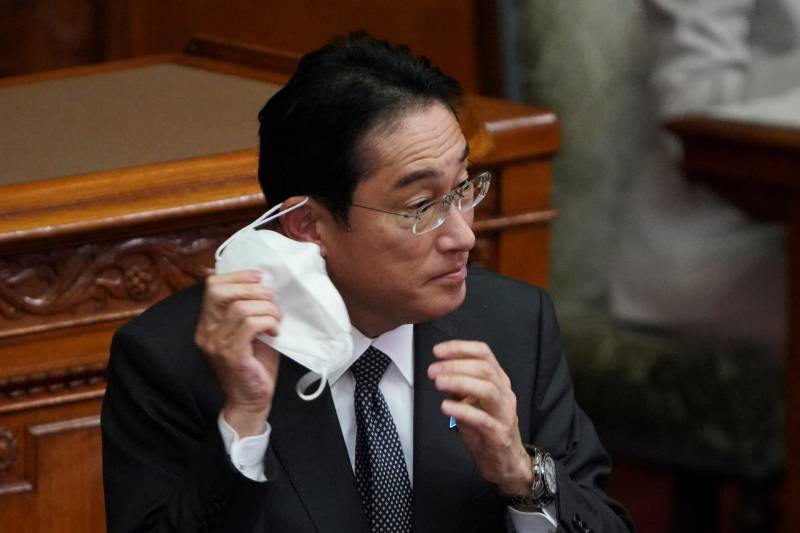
381, 472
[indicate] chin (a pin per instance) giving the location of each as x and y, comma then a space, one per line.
443, 304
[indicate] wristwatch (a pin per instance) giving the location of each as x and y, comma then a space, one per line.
543, 488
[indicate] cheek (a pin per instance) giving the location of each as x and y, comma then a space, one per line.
384, 256
413, 252
395, 246
400, 268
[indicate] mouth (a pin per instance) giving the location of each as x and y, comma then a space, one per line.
455, 275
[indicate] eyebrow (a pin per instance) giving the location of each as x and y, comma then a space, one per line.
415, 176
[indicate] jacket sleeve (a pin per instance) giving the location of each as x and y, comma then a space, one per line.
165, 467
560, 425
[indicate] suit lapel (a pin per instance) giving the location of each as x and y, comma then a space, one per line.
308, 442
442, 466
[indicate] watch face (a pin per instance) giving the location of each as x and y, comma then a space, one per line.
550, 474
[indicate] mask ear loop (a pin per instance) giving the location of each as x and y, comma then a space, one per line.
307, 379
269, 216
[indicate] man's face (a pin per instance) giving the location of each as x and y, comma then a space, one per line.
386, 274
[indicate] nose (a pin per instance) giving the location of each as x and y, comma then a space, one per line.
456, 233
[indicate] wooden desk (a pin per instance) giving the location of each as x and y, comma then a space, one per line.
757, 166
118, 182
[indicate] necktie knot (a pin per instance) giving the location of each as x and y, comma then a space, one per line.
370, 367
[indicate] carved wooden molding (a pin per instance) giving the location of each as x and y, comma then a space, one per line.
93, 282
8, 449
52, 382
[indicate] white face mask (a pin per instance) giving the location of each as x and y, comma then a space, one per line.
315, 329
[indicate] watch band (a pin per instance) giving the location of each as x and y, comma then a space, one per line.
543, 486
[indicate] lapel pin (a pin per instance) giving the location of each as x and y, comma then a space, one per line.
453, 423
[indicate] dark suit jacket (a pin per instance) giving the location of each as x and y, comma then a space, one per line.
166, 469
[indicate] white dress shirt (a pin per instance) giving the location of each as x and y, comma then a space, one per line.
397, 387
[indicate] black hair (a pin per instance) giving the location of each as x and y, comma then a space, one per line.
311, 130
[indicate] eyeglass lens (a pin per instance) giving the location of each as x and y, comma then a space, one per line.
464, 198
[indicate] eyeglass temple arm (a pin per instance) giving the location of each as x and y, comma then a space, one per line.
404, 215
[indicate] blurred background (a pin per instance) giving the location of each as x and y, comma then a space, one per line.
670, 291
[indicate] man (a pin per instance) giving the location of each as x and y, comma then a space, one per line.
201, 430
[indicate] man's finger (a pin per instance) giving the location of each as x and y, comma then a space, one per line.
484, 391
225, 294
227, 332
241, 309
240, 276
479, 368
241, 337
461, 349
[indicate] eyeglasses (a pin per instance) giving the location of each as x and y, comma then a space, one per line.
431, 215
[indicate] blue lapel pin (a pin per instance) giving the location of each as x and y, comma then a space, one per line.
453, 423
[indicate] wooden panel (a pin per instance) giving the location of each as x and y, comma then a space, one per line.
521, 251
526, 187
52, 483
460, 36
48, 34
444, 30
49, 354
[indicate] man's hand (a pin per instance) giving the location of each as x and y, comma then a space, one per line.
236, 308
486, 410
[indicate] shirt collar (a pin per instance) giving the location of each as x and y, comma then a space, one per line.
398, 344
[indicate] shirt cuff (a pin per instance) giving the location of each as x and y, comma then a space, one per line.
246, 454
536, 522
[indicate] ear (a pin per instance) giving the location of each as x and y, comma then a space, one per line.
301, 224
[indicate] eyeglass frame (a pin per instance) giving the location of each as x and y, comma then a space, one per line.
477, 181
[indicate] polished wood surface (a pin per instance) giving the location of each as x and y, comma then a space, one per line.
80, 254
758, 167
752, 164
